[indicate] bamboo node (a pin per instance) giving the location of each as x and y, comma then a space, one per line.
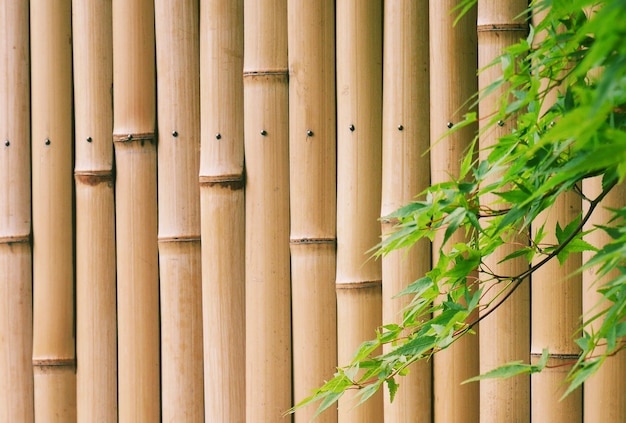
300, 241
502, 27
10, 240
377, 284
141, 137
232, 182
94, 178
44, 364
189, 238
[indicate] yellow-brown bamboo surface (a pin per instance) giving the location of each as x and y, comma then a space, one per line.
16, 318
266, 129
134, 112
178, 85
96, 316
359, 133
603, 392
453, 60
53, 260
405, 173
508, 327
222, 207
312, 134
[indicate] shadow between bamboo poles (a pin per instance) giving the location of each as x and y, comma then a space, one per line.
268, 293
136, 211
603, 393
508, 327
453, 60
53, 269
312, 135
405, 173
222, 209
177, 53
359, 121
16, 313
96, 316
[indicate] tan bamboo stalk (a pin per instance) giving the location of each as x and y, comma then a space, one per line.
556, 309
178, 85
96, 322
603, 393
136, 210
506, 331
453, 61
312, 135
266, 129
16, 319
405, 173
359, 133
53, 267
222, 207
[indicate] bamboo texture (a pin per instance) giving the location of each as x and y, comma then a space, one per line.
604, 398
16, 318
312, 134
266, 129
405, 173
359, 133
508, 327
453, 52
96, 323
53, 266
178, 85
136, 211
222, 208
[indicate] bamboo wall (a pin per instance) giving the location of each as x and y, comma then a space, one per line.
188, 194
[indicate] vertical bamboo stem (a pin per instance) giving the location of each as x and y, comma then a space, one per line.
96, 323
312, 135
453, 52
177, 54
359, 123
405, 173
268, 293
136, 211
603, 394
53, 270
508, 328
222, 207
16, 319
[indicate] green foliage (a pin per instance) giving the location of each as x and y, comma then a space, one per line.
546, 154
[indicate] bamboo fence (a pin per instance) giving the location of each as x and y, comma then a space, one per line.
178, 85
217, 287
499, 25
16, 313
453, 58
53, 247
312, 183
134, 110
222, 209
96, 316
405, 173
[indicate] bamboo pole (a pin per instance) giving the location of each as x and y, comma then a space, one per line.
53, 270
312, 134
268, 293
222, 207
603, 393
16, 319
178, 85
96, 323
453, 61
359, 132
507, 328
556, 308
136, 211
405, 173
